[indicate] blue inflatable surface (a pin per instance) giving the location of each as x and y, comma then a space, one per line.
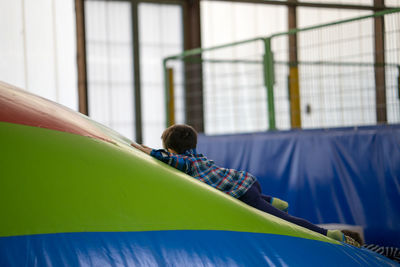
347, 175
179, 248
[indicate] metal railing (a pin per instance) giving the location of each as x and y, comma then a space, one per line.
340, 78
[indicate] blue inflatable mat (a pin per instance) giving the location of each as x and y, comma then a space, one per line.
179, 248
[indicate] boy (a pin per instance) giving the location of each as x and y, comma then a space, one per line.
180, 143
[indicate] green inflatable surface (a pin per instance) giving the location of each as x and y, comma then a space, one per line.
55, 182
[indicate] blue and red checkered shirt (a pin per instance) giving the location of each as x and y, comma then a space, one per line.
229, 181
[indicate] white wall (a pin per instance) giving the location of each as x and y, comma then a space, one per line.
38, 48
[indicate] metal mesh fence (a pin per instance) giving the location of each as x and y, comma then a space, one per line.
225, 85
340, 74
227, 107
337, 66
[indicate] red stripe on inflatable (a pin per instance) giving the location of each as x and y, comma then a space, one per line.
20, 107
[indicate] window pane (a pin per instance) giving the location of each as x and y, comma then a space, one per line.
235, 98
109, 63
160, 35
45, 66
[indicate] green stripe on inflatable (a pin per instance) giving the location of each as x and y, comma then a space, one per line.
56, 182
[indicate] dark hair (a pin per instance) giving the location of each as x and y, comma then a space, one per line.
179, 137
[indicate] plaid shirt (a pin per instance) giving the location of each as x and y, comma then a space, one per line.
229, 181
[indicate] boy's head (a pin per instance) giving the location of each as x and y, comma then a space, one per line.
179, 137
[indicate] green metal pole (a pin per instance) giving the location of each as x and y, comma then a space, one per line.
398, 81
269, 82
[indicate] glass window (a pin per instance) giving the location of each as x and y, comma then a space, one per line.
45, 66
110, 64
235, 97
342, 2
392, 3
225, 22
160, 35
309, 16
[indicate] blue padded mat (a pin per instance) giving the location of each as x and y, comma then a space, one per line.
346, 175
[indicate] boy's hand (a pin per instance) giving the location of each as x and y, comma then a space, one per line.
142, 148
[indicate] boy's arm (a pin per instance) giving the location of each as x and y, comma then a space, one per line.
174, 160
171, 159
142, 148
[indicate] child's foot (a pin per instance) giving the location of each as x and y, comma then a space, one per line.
336, 234
351, 241
280, 204
339, 236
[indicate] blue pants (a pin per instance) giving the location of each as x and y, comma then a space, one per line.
256, 199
